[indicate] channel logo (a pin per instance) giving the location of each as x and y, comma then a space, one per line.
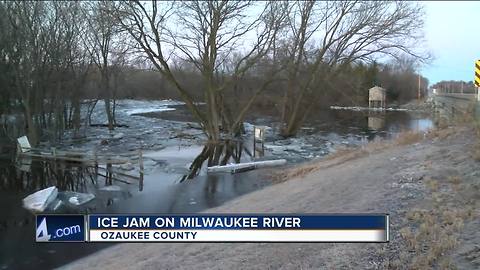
60, 228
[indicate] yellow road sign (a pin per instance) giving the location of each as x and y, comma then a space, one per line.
477, 73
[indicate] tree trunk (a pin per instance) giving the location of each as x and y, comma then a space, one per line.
76, 116
107, 100
31, 129
108, 110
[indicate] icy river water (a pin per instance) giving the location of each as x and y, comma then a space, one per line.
170, 142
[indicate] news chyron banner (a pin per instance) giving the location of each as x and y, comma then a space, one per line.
60, 228
215, 228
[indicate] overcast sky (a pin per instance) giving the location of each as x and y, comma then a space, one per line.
453, 36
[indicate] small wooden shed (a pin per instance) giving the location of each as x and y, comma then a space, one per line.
377, 97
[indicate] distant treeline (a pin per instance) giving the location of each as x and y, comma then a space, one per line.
351, 88
454, 87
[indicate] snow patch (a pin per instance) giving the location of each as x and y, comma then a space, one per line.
143, 106
358, 108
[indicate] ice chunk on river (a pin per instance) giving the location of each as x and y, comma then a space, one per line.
149, 109
55, 205
127, 167
118, 136
111, 188
175, 154
38, 201
77, 198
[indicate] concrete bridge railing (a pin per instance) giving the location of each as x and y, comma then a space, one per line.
454, 103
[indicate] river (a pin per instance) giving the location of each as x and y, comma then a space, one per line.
169, 142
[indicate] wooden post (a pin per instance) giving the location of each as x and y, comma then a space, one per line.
95, 162
258, 134
140, 161
254, 142
418, 86
263, 143
109, 179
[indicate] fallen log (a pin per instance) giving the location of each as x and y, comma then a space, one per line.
246, 166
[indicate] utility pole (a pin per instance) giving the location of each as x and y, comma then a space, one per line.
418, 86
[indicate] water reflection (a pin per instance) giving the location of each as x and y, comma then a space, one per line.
26, 175
218, 153
161, 193
376, 121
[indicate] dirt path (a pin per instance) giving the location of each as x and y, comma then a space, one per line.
416, 184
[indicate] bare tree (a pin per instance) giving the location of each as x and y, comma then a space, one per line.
41, 46
80, 66
325, 37
104, 42
211, 30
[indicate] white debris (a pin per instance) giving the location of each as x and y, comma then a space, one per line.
118, 136
250, 127
358, 108
24, 144
111, 188
77, 198
256, 164
279, 148
73, 200
38, 201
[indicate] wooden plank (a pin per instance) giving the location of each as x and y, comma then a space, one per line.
116, 179
122, 174
74, 159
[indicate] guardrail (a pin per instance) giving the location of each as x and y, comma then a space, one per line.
472, 97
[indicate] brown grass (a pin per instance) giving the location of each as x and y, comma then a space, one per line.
441, 133
476, 153
432, 233
408, 137
476, 150
300, 171
432, 184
